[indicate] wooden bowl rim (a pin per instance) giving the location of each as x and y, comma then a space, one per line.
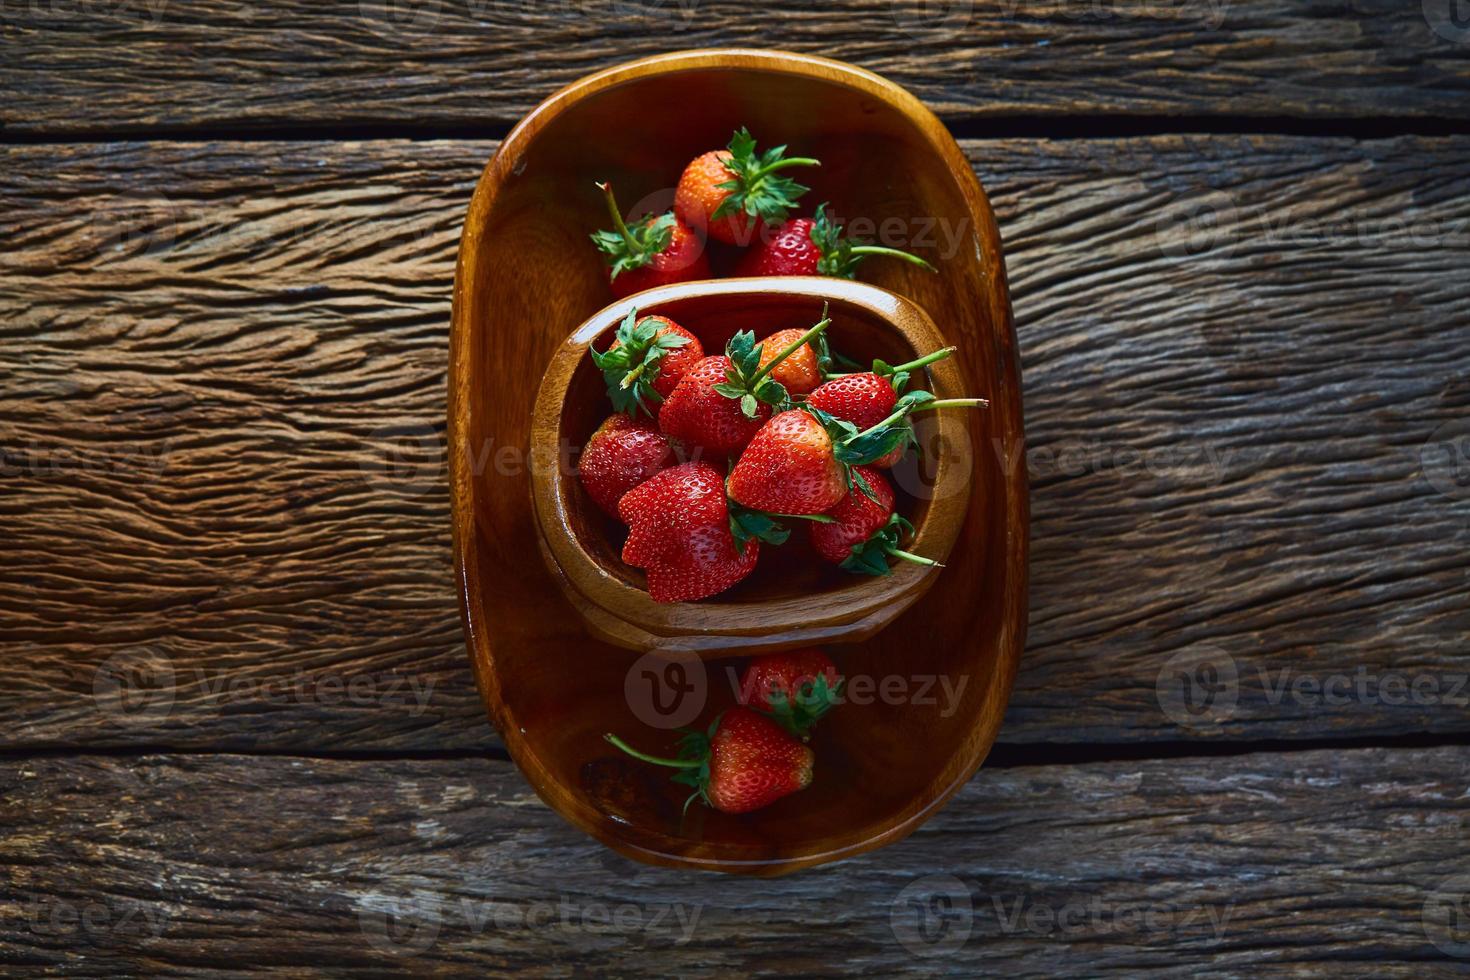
889, 596
640, 842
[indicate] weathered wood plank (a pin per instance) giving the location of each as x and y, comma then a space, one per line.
1309, 862
148, 65
221, 409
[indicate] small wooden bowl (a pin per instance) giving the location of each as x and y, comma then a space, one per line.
527, 276
787, 602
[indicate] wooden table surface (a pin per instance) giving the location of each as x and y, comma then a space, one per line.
240, 730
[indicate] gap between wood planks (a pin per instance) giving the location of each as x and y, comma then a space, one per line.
1021, 126
1011, 756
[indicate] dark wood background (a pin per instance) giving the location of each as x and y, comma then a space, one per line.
1238, 235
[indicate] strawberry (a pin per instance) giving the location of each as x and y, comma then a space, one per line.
863, 399
656, 251
679, 532
743, 762
795, 688
698, 414
621, 454
867, 398
723, 401
646, 359
814, 247
789, 467
803, 466
799, 370
730, 193
865, 531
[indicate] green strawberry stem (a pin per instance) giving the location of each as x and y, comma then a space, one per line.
617, 217
928, 359
775, 362
816, 518
891, 253
632, 376
910, 556
925, 407
782, 165
655, 760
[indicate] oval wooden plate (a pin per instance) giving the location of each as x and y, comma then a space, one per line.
527, 276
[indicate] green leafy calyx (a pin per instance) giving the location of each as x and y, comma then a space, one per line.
758, 187
841, 256
871, 557
632, 246
695, 751
798, 712
752, 385
631, 364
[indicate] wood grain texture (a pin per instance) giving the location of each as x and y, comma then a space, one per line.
151, 65
1313, 862
223, 438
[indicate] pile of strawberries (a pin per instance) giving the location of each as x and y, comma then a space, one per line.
706, 456
753, 755
733, 197
770, 433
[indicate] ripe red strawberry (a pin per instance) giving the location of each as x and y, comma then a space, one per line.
621, 454
679, 532
862, 399
805, 466
800, 371
723, 401
730, 193
865, 531
789, 468
868, 398
701, 416
645, 361
813, 247
795, 688
743, 762
657, 250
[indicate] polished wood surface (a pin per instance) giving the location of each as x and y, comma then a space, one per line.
793, 598
525, 279
226, 279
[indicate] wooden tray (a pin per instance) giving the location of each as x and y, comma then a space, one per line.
527, 276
